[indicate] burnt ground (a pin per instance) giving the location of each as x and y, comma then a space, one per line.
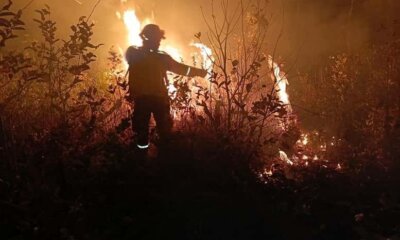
176, 195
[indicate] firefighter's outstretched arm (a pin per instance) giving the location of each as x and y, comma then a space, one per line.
185, 70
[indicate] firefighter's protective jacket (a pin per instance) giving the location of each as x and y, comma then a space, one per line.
147, 71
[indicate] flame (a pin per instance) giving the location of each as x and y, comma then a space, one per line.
283, 156
174, 52
134, 26
268, 173
304, 140
281, 82
206, 54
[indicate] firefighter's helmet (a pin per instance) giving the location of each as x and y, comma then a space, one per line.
152, 32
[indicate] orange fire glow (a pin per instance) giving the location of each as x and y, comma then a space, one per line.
281, 82
204, 56
134, 25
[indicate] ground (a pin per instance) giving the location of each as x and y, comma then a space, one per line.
176, 195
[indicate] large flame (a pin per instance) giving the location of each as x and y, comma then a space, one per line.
133, 26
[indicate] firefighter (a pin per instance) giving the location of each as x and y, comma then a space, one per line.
148, 84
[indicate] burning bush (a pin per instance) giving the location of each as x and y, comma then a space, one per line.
50, 94
355, 100
243, 103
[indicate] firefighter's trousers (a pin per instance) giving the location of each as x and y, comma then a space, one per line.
144, 106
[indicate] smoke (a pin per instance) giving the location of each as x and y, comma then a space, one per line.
301, 31
313, 29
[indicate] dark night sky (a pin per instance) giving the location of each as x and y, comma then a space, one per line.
311, 28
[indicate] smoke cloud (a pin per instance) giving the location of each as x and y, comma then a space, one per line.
301, 31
